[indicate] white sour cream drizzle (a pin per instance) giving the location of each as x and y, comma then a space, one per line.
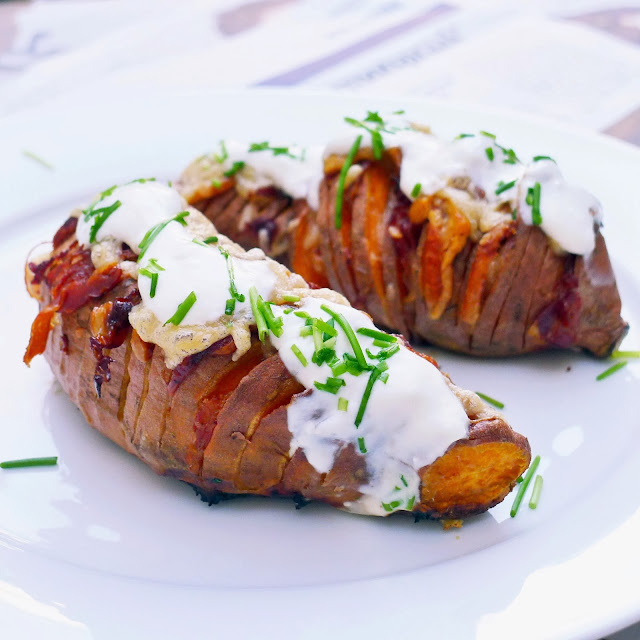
568, 213
409, 421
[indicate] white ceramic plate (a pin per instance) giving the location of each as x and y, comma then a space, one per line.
101, 547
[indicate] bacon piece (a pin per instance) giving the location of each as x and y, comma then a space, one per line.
446, 234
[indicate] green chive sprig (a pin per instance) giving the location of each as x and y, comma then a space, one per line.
490, 400
625, 354
153, 233
342, 179
533, 200
611, 370
299, 355
29, 462
235, 167
277, 151
38, 159
504, 186
377, 335
351, 336
523, 486
100, 216
261, 323
535, 494
182, 310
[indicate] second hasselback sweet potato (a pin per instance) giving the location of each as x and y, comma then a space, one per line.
448, 268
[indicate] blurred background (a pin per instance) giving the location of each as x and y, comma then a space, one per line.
576, 61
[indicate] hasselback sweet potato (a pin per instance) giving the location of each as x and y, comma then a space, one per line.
426, 267
220, 422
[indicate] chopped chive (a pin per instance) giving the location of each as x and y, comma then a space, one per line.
361, 445
301, 314
38, 159
375, 374
351, 336
343, 404
223, 155
537, 158
29, 462
216, 184
232, 284
306, 331
100, 216
465, 135
625, 354
504, 186
330, 343
291, 298
182, 310
510, 156
519, 480
384, 376
339, 368
274, 324
235, 167
490, 400
399, 112
377, 335
287, 311
325, 327
415, 192
230, 307
211, 240
523, 486
489, 152
155, 264
341, 180
299, 355
317, 338
611, 370
325, 354
154, 285
536, 217
261, 323
404, 481
152, 234
411, 502
332, 385
535, 494
380, 343
488, 135
385, 353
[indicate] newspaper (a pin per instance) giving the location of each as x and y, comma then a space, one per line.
578, 62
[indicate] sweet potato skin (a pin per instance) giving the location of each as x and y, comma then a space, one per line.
221, 425
417, 270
